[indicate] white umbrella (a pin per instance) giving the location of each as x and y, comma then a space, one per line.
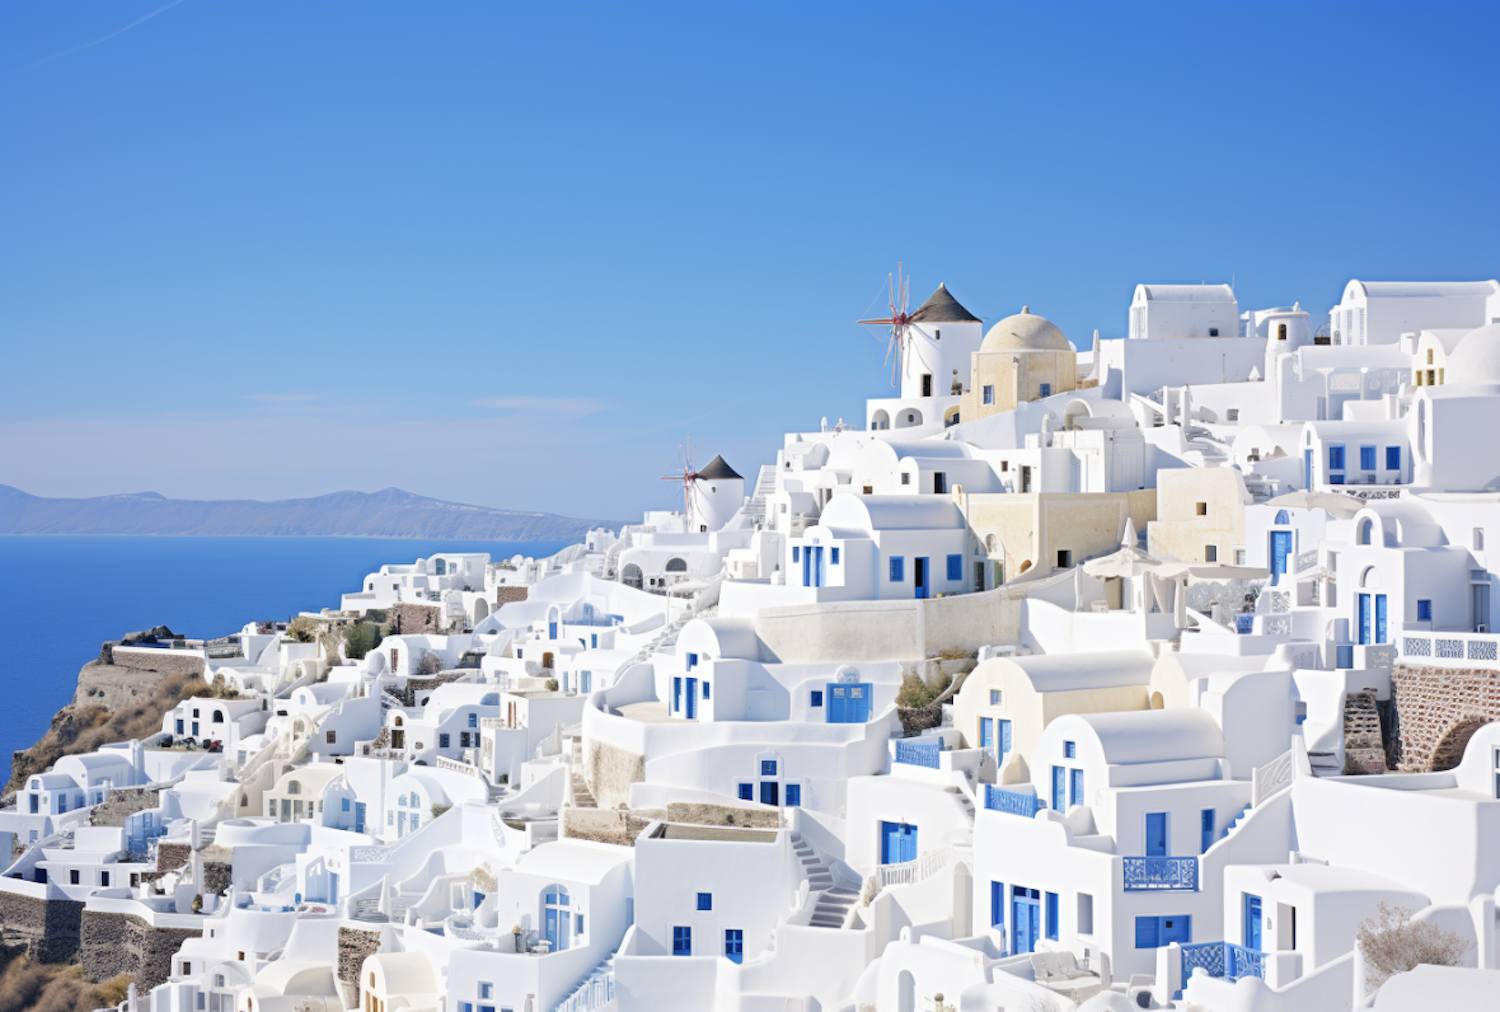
1211, 571
1127, 562
1336, 503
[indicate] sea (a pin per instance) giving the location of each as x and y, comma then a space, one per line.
61, 597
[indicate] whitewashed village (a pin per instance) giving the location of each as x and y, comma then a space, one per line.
1149, 672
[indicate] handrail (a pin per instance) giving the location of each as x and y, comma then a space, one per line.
1272, 778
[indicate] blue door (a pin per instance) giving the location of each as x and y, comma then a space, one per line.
682, 941
1026, 920
1060, 788
1005, 740
820, 575
1364, 618
1252, 922
734, 945
770, 793
1281, 547
1379, 618
676, 695
848, 702
359, 816
1075, 787
692, 698
1307, 471
898, 843
1156, 834
919, 576
552, 630
987, 734
807, 568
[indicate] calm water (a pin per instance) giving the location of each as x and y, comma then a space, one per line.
61, 597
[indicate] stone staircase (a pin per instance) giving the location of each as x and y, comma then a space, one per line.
595, 991
582, 796
834, 900
1364, 749
765, 484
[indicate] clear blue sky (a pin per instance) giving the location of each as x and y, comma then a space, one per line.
512, 254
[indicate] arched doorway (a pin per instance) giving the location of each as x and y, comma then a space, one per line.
1450, 747
631, 576
481, 610
906, 992
676, 566
880, 420
963, 901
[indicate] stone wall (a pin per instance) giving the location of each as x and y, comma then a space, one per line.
165, 661
115, 686
355, 945
610, 770
916, 719
604, 825
1437, 708
115, 943
723, 815
122, 803
414, 619
505, 595
48, 930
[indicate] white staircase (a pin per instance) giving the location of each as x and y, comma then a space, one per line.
835, 899
765, 484
596, 990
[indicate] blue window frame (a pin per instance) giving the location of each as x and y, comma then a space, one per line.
833, 556
747, 792
1424, 611
994, 697
705, 690
682, 941
465, 1006
1070, 750
692, 661
769, 793
796, 553
1393, 458
1075, 787
898, 568
1336, 479
1207, 825
1046, 390
442, 741
794, 795
955, 567
816, 697
346, 804
1052, 917
1336, 457
734, 945
1367, 458
997, 904
989, 394
768, 767
705, 901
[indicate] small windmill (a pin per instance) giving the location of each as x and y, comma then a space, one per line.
901, 320
689, 478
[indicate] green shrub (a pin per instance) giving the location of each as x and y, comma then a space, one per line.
360, 638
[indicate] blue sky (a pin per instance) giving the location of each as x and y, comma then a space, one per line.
513, 254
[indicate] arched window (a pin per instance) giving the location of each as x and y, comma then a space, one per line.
294, 788
676, 566
415, 801
1282, 520
218, 717
557, 917
1365, 531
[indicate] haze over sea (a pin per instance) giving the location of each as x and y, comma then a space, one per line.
61, 597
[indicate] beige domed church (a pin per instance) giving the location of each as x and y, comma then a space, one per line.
1023, 358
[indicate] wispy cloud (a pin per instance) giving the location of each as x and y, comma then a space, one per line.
114, 34
556, 407
283, 400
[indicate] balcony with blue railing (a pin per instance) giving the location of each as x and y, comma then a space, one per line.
1151, 874
1222, 959
919, 753
997, 799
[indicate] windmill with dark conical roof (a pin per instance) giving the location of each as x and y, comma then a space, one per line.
709, 496
928, 345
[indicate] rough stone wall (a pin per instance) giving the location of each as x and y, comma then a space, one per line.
416, 688
505, 595
165, 661
915, 719
115, 686
610, 770
1364, 746
606, 825
355, 945
122, 803
122, 943
723, 815
47, 930
413, 619
1437, 708
171, 856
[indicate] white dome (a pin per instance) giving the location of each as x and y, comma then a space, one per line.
1476, 359
1025, 332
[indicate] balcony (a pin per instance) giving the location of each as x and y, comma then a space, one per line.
1011, 802
1153, 874
919, 753
1448, 647
1222, 959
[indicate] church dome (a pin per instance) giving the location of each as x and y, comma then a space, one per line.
1025, 332
1476, 358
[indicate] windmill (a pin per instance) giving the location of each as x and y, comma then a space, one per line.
689, 478
898, 286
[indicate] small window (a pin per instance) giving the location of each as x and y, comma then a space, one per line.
1336, 457
1239, 556
1233, 414
816, 698
994, 697
794, 795
1210, 553
331, 737
1086, 901
1424, 611
989, 394
1052, 917
898, 568
486, 989
768, 767
1367, 458
1202, 509
1393, 458
692, 661
73, 877
747, 792
705, 901
1064, 559
1281, 332
1070, 750
473, 720
104, 878
1212, 332
1478, 539
705, 689
796, 553
955, 567
1046, 390
442, 741
833, 556
905, 479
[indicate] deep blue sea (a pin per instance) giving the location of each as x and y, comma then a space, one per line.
61, 597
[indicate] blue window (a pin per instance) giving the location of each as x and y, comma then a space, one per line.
734, 945
1070, 750
465, 1006
1336, 479
1393, 458
594, 640
692, 661
997, 904
682, 941
1046, 389
747, 792
346, 804
1424, 611
1052, 917
1075, 787
796, 553
768, 767
994, 697
1153, 932
705, 690
833, 555
1367, 458
955, 567
486, 990
443, 741
1336, 457
989, 394
705, 901
794, 795
1208, 828
898, 568
817, 697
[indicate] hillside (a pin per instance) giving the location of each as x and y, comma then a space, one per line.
390, 513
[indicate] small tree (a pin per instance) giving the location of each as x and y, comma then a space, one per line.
303, 629
1393, 943
359, 639
430, 664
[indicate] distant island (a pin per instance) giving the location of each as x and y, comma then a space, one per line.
389, 513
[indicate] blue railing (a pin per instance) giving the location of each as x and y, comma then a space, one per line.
1222, 959
1244, 624
1148, 874
1011, 802
918, 753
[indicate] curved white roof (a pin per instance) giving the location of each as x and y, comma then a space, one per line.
1476, 358
1184, 293
1025, 331
405, 972
891, 513
1152, 736
1424, 289
1105, 669
297, 977
573, 860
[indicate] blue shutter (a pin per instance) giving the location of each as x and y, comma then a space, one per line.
1336, 458
1367, 458
997, 904
898, 568
747, 792
1147, 932
1052, 931
1393, 458
794, 795
955, 567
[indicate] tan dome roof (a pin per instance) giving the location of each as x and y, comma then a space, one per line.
1476, 359
1025, 332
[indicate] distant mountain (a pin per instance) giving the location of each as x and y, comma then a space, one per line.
390, 513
